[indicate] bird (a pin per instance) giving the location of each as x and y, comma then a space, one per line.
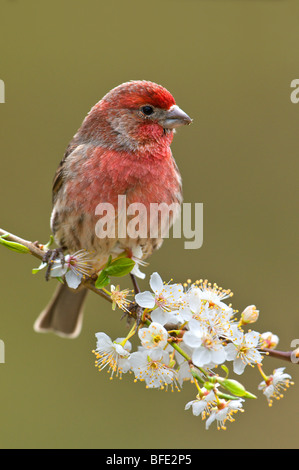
122, 148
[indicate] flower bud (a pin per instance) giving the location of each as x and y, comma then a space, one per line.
295, 356
269, 340
250, 314
235, 387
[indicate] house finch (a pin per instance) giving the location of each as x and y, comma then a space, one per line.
121, 148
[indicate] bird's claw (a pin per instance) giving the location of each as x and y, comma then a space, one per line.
50, 256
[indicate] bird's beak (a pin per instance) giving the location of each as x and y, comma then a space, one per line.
174, 117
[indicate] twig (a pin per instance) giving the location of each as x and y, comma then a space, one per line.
135, 284
36, 249
284, 355
90, 285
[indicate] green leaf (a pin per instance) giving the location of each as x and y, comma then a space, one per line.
13, 245
225, 370
102, 280
50, 242
41, 266
120, 267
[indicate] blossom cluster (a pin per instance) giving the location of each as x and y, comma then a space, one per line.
186, 332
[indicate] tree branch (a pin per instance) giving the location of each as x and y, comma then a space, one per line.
38, 250
284, 355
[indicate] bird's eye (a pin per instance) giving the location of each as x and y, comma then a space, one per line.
147, 110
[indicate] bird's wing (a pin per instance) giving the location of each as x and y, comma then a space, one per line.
58, 177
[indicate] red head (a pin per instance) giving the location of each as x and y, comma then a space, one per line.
135, 94
134, 113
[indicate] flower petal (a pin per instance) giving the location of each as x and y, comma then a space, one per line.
195, 302
103, 340
188, 405
201, 357
239, 366
136, 272
218, 356
191, 340
198, 407
145, 299
155, 354
57, 270
156, 283
231, 352
252, 338
159, 316
73, 280
210, 419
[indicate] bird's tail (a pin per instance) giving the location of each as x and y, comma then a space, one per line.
64, 314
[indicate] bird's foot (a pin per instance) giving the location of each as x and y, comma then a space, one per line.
51, 256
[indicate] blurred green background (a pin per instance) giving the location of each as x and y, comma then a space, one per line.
229, 65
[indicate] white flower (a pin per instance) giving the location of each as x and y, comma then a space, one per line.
204, 291
217, 320
269, 340
119, 298
112, 354
223, 412
153, 368
182, 315
165, 298
207, 347
274, 384
243, 350
249, 315
202, 404
76, 267
154, 336
162, 316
